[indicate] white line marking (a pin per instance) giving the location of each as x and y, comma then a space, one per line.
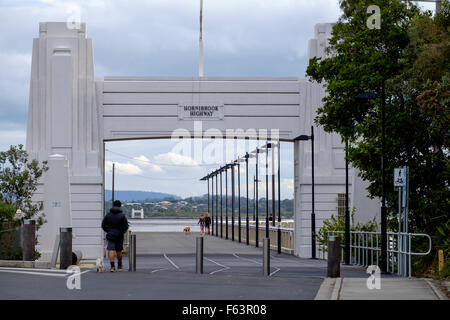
159, 270
59, 274
257, 262
85, 272
33, 269
251, 260
278, 269
220, 265
35, 273
171, 262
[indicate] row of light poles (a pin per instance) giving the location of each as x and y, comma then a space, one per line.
214, 208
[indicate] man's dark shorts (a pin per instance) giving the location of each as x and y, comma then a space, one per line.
115, 245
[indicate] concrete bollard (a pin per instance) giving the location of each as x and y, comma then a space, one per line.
29, 240
266, 256
199, 252
334, 257
132, 253
65, 251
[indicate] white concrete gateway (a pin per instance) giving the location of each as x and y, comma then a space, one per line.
72, 113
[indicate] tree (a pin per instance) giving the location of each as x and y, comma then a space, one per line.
18, 182
410, 52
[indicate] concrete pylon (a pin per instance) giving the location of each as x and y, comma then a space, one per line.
57, 205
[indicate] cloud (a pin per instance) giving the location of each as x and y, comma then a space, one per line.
287, 185
175, 159
143, 161
123, 168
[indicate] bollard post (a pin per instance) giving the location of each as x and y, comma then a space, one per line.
334, 257
441, 261
266, 256
199, 251
65, 251
28, 240
132, 253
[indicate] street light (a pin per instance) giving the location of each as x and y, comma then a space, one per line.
239, 160
313, 215
247, 230
256, 152
265, 149
233, 193
221, 205
369, 96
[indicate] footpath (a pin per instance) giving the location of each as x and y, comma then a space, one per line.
391, 288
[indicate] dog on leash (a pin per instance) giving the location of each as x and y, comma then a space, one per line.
187, 230
100, 265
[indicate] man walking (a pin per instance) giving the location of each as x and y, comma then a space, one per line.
115, 224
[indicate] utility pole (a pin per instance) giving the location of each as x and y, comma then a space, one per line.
113, 168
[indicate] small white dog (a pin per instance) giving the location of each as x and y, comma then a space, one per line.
100, 265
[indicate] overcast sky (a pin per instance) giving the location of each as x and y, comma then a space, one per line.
160, 38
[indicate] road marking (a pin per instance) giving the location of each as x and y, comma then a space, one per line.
35, 273
58, 274
278, 269
33, 269
171, 262
159, 270
257, 262
242, 258
220, 265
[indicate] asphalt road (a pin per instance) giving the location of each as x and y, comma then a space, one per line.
235, 272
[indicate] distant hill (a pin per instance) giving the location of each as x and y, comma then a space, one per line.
131, 195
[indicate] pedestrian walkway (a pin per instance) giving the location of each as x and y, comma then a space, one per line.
391, 288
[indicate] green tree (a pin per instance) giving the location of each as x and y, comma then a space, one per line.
410, 52
18, 181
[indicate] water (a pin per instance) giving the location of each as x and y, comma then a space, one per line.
163, 225
168, 225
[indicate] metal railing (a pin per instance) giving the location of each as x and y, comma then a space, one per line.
365, 249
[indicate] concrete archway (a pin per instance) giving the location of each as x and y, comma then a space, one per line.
72, 113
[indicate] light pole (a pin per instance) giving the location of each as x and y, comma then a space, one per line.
257, 151
279, 198
313, 215
226, 201
217, 202
368, 96
212, 197
221, 206
347, 209
247, 230
239, 160
233, 164
113, 180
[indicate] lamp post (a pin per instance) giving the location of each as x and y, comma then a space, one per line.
368, 96
239, 160
347, 209
212, 197
217, 202
113, 180
247, 230
226, 201
257, 151
279, 198
221, 206
313, 215
233, 178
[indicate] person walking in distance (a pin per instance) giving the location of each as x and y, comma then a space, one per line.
207, 222
201, 222
115, 224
